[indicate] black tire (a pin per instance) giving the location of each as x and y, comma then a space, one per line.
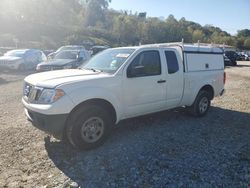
79, 127
234, 63
201, 104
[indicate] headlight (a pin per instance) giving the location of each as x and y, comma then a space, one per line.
68, 66
48, 96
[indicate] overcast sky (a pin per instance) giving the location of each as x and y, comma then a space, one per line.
229, 15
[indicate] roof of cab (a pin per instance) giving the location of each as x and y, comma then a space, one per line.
189, 48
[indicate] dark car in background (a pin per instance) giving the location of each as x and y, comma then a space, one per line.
232, 56
97, 49
246, 57
67, 59
63, 48
22, 59
227, 61
243, 56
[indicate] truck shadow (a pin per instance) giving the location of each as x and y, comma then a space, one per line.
150, 141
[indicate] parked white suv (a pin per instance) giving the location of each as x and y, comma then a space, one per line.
22, 59
82, 105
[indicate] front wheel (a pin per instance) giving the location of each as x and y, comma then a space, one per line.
201, 104
88, 127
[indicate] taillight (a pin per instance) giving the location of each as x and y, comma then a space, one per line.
224, 77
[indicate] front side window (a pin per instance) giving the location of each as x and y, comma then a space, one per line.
147, 63
172, 62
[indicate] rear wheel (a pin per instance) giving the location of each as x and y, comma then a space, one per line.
201, 104
88, 127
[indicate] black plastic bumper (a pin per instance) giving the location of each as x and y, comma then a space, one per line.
52, 124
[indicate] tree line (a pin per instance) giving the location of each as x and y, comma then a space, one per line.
52, 23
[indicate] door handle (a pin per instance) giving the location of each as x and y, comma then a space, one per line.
161, 81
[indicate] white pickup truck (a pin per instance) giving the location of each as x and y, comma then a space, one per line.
83, 104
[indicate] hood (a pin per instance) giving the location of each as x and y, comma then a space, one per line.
57, 62
52, 79
9, 58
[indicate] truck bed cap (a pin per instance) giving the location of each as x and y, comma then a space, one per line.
189, 48
206, 49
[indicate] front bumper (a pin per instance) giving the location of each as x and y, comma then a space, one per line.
52, 124
9, 67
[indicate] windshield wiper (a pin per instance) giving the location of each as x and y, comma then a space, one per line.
94, 70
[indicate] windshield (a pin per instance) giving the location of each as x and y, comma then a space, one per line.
109, 60
66, 55
15, 53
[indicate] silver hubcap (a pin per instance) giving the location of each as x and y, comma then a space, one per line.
203, 105
92, 129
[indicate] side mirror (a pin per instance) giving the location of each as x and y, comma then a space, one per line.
51, 55
135, 71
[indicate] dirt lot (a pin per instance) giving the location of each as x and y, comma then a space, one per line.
167, 149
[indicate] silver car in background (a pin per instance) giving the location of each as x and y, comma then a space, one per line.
22, 59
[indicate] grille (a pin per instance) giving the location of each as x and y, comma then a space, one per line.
2, 62
31, 93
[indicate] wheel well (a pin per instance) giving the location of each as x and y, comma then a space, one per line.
101, 102
209, 89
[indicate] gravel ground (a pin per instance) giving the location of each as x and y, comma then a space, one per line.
167, 149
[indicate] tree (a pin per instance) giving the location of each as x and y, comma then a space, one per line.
197, 35
243, 33
51, 23
96, 11
126, 29
247, 43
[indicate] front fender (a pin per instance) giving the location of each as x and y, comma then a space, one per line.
96, 93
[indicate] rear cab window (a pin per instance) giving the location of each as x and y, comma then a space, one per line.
172, 62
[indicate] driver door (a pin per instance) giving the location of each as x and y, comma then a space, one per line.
144, 84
